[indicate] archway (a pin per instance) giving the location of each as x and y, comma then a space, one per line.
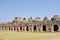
21, 28
34, 28
44, 28
14, 28
9, 28
17, 29
27, 28
56, 28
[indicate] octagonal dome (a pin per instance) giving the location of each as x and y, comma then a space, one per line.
55, 18
45, 19
37, 19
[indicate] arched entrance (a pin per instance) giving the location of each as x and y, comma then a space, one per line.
14, 28
21, 28
17, 29
27, 28
9, 28
56, 28
44, 28
34, 28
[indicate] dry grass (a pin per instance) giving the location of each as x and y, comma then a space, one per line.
27, 36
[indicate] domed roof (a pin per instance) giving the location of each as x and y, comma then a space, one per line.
17, 19
24, 20
37, 19
55, 18
45, 19
30, 19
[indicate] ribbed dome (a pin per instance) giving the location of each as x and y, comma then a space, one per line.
17, 19
45, 19
37, 19
30, 19
55, 18
24, 20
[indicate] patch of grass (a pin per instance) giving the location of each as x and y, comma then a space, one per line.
26, 35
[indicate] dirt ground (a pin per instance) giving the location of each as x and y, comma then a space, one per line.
56, 38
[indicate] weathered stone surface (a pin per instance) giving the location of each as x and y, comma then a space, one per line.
32, 25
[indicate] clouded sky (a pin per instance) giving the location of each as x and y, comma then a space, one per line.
27, 8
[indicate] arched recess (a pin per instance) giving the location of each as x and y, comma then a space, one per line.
27, 28
14, 28
17, 29
56, 28
34, 28
44, 28
21, 28
9, 28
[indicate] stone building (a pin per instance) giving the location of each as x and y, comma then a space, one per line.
32, 25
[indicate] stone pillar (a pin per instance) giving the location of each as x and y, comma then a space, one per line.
16, 28
32, 28
7, 28
12, 28
41, 28
29, 29
25, 28
47, 30
59, 28
52, 28
0, 28
3, 28
37, 28
19, 28
22, 28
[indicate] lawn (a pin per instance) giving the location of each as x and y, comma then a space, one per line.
27, 35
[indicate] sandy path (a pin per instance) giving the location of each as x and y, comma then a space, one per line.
56, 38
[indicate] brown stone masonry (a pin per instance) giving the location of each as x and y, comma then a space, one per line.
32, 25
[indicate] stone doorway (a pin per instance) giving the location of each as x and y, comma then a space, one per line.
27, 28
44, 28
34, 28
56, 28
21, 28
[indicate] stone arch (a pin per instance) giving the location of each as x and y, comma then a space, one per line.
17, 29
44, 28
14, 28
21, 28
34, 28
27, 28
9, 28
56, 28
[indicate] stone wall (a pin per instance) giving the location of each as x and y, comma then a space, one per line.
31, 25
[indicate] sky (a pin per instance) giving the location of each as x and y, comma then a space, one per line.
9, 9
